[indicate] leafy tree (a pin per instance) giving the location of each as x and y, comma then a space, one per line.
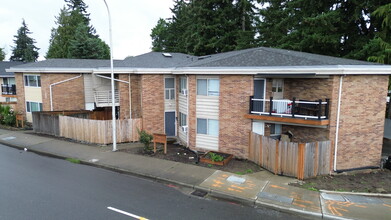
64, 42
24, 49
2, 54
159, 35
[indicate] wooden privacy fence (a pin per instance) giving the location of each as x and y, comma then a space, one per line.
99, 131
301, 160
83, 129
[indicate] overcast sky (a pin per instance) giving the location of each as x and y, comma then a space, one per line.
132, 21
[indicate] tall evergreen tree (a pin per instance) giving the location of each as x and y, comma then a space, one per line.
2, 54
206, 27
64, 39
24, 49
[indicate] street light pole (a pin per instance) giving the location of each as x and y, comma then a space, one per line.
112, 83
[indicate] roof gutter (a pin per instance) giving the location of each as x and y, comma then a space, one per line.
56, 83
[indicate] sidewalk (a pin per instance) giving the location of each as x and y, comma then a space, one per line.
257, 189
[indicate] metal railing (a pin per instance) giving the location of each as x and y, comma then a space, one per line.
103, 98
8, 89
318, 110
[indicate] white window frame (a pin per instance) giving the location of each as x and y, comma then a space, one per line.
37, 79
171, 91
28, 106
275, 129
278, 85
207, 127
208, 92
182, 119
182, 83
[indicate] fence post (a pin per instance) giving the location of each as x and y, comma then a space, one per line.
260, 150
300, 164
276, 158
250, 146
271, 105
316, 157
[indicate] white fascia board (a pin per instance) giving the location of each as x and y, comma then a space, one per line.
50, 70
318, 70
135, 71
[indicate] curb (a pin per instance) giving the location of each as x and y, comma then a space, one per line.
290, 210
357, 193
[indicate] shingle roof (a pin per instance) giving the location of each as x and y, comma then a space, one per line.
67, 63
158, 60
7, 64
254, 57
263, 56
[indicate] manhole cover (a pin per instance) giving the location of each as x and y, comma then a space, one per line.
199, 193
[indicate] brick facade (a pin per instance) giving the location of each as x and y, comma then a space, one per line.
152, 99
21, 104
234, 104
66, 96
361, 121
124, 102
135, 84
192, 117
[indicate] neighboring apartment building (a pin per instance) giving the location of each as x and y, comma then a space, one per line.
7, 80
214, 102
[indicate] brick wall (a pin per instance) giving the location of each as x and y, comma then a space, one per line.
21, 104
124, 97
192, 95
234, 104
66, 96
135, 83
361, 121
152, 87
308, 89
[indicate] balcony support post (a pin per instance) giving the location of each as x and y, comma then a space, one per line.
320, 109
293, 109
251, 104
271, 105
326, 110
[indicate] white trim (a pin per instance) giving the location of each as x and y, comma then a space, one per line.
105, 77
337, 126
319, 70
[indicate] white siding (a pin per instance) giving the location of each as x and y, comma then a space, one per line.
207, 142
88, 88
207, 107
184, 109
169, 105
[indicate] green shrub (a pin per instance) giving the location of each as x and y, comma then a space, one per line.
7, 115
145, 138
215, 157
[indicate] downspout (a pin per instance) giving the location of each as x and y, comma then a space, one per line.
53, 84
337, 126
130, 98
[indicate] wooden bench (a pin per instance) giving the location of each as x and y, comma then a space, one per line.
160, 138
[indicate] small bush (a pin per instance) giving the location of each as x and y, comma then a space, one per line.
7, 115
145, 138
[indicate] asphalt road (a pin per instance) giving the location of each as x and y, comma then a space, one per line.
38, 187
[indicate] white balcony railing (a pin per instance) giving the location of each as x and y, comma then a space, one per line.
103, 98
290, 108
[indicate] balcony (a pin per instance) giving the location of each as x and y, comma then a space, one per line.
8, 89
295, 112
103, 98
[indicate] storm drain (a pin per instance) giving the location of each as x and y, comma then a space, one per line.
199, 193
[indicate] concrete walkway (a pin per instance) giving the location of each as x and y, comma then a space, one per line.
257, 189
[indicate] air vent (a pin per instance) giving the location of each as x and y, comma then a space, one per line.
166, 54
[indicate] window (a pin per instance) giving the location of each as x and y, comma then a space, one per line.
32, 80
208, 126
182, 119
277, 85
275, 129
182, 84
33, 106
208, 87
169, 88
